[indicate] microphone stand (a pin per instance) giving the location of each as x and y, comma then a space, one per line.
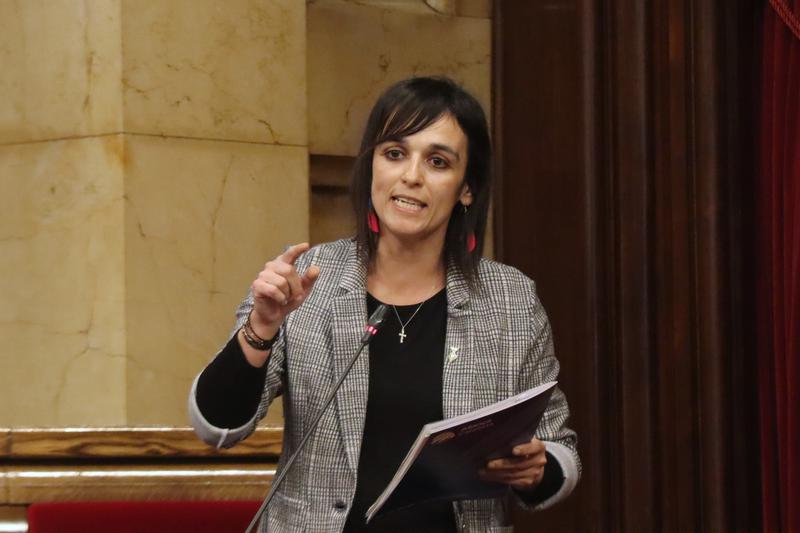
370, 330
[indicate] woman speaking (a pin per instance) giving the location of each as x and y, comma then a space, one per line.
462, 333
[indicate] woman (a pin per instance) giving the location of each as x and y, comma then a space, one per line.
463, 332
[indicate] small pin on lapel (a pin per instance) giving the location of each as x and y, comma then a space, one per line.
453, 355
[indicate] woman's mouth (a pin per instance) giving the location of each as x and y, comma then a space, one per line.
408, 204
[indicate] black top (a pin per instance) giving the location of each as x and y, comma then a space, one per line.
405, 393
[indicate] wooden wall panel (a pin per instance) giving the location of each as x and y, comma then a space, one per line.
31, 444
621, 130
91, 464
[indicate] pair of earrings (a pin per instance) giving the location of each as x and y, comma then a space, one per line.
374, 227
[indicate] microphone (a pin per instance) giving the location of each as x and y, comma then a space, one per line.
370, 329
375, 320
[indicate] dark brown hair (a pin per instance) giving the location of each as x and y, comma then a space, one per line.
406, 108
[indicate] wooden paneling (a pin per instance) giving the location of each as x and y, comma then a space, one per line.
204, 481
139, 443
4, 494
542, 223
90, 464
13, 519
621, 130
5, 442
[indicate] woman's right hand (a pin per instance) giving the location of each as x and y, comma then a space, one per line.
279, 289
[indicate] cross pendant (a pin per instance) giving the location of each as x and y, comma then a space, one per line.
402, 334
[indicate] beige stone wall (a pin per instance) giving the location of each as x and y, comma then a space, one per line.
154, 154
216, 179
355, 51
62, 301
62, 329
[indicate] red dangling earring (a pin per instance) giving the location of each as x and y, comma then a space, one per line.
472, 241
372, 220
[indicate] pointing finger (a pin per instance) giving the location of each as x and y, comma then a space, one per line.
293, 252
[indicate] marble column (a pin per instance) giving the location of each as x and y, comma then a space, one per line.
216, 180
62, 253
152, 156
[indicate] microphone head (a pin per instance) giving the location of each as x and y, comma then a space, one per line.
378, 316
375, 320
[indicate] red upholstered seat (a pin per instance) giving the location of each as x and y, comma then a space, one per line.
141, 517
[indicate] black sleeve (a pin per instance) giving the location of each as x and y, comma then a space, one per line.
229, 389
551, 481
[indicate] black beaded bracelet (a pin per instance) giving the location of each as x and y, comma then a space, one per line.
254, 340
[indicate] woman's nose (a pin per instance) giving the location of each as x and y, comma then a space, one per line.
413, 173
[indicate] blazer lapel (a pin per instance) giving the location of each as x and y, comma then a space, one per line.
459, 356
349, 317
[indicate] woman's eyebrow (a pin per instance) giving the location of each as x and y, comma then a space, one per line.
445, 148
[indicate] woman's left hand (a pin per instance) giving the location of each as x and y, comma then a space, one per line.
522, 471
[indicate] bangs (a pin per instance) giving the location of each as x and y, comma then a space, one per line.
409, 116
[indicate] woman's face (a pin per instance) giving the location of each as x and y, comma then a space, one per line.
417, 181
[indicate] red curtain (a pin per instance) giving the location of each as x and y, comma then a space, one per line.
778, 267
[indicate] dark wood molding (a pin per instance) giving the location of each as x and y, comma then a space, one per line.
498, 114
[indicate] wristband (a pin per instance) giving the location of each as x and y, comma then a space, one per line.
254, 340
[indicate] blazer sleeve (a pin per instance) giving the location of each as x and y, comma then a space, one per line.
221, 437
539, 367
273, 384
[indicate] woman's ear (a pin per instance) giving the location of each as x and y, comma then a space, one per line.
466, 195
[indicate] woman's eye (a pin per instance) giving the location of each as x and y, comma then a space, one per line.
393, 154
439, 162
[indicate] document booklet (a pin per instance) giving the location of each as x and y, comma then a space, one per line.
444, 461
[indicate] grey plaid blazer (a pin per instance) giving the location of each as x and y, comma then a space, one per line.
502, 345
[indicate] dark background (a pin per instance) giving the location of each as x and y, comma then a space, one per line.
625, 135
